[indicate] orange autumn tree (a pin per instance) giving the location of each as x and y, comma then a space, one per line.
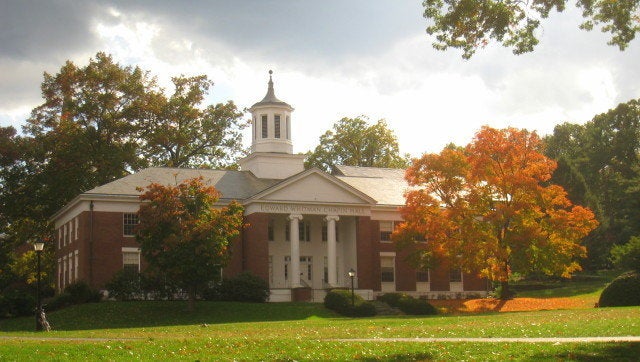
183, 235
488, 208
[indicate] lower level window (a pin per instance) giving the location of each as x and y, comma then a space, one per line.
131, 261
422, 276
387, 269
455, 275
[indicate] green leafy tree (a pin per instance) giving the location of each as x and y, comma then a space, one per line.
599, 165
472, 24
627, 256
184, 235
180, 133
353, 142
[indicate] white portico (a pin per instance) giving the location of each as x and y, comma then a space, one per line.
311, 214
312, 230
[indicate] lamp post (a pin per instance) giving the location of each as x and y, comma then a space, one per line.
38, 247
352, 274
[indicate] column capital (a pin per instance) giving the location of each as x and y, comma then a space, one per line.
294, 216
332, 217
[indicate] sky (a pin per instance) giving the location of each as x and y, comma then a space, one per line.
331, 59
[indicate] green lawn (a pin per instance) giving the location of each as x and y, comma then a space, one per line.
582, 286
298, 331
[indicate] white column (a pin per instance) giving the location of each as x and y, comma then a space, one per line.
295, 249
332, 270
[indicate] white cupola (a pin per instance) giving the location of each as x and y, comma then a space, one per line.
271, 147
271, 122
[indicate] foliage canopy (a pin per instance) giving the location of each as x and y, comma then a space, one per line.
353, 142
184, 234
472, 24
488, 208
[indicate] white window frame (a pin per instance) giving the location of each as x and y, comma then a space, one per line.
386, 222
130, 250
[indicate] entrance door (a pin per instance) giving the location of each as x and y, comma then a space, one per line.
306, 271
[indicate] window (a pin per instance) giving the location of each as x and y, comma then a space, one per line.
131, 259
75, 224
304, 230
386, 228
422, 276
387, 268
287, 232
455, 275
77, 264
325, 232
306, 265
270, 269
287, 260
71, 266
325, 274
60, 238
270, 230
276, 126
129, 222
64, 235
264, 126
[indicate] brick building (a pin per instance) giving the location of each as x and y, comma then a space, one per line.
306, 228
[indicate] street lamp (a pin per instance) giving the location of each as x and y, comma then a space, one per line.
38, 247
352, 274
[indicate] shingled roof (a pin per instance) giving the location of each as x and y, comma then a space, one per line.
235, 185
386, 185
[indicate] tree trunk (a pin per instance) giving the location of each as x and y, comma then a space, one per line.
505, 292
191, 302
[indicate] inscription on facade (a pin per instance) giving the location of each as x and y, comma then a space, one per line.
314, 209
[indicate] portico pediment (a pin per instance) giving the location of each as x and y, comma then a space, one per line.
314, 186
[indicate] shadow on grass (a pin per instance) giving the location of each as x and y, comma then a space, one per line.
136, 314
604, 352
400, 357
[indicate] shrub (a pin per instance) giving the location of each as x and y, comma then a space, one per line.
75, 293
80, 292
16, 303
627, 256
125, 285
59, 301
393, 299
340, 302
414, 306
245, 287
622, 291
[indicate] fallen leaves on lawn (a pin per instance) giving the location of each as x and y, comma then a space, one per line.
456, 306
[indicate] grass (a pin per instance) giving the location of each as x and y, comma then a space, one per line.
583, 286
296, 331
301, 331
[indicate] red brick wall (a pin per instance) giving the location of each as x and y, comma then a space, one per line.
255, 245
367, 254
473, 282
405, 274
100, 250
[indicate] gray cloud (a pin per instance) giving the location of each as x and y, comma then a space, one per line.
44, 29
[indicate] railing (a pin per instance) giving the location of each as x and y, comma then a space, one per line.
304, 283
